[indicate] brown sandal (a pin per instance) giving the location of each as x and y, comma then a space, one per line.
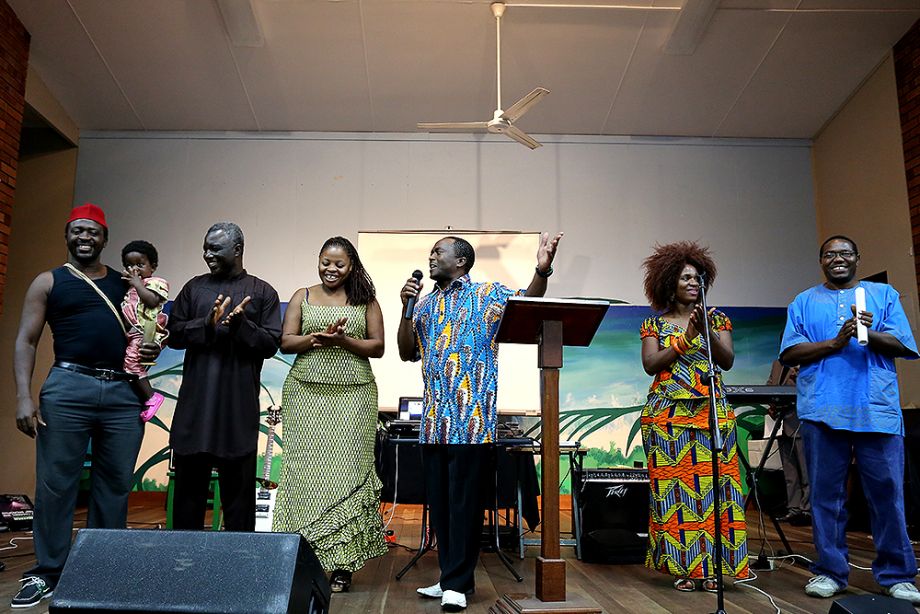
685, 585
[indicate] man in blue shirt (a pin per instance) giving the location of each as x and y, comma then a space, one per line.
849, 406
452, 331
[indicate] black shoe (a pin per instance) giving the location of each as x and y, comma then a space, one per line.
802, 519
788, 515
791, 515
32, 591
340, 581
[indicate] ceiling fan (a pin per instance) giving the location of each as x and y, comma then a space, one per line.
502, 121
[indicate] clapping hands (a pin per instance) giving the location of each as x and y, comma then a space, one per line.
219, 315
697, 320
332, 336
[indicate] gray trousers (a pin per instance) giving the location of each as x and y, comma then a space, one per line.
79, 409
795, 471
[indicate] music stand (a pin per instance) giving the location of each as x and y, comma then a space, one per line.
551, 324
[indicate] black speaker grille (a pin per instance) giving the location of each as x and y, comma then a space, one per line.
614, 508
190, 571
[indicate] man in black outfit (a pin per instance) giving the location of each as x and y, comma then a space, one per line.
86, 397
216, 424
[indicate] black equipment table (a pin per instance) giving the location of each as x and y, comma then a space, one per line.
404, 484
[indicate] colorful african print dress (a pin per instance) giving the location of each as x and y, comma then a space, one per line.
329, 491
675, 433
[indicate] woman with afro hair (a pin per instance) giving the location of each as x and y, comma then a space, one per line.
675, 424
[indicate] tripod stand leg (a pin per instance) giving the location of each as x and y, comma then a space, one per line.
424, 545
782, 535
498, 549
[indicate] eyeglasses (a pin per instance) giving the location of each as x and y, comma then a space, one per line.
845, 254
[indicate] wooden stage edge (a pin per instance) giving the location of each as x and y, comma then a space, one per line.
605, 588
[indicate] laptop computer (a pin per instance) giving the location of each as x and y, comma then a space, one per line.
410, 408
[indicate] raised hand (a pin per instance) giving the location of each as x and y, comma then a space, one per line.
547, 250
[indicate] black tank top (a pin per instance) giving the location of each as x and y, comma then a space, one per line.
85, 329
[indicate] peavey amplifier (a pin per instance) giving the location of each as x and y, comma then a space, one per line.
16, 512
613, 505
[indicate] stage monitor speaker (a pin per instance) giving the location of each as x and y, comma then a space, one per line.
871, 604
148, 571
613, 507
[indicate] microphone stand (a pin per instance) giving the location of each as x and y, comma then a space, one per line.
716, 447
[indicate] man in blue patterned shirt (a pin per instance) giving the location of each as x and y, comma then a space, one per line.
452, 331
849, 406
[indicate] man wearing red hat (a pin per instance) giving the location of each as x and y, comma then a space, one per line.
87, 397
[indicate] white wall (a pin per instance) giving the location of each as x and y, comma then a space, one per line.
751, 201
861, 192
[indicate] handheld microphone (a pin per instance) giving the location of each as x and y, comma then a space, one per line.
410, 304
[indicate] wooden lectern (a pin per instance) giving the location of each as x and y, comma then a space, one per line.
550, 323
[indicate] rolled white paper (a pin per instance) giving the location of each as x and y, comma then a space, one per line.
862, 333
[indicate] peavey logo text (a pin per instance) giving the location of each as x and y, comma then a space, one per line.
617, 491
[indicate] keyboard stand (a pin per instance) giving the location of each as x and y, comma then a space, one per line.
494, 523
426, 542
754, 482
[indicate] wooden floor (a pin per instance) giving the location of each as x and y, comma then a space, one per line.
615, 588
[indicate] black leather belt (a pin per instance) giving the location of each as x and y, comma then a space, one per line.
108, 375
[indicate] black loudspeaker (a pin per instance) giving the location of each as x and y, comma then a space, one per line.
146, 571
871, 604
613, 505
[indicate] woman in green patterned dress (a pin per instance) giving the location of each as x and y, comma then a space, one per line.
329, 491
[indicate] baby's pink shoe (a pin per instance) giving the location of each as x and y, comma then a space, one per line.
152, 406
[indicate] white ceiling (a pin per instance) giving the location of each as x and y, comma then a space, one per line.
764, 68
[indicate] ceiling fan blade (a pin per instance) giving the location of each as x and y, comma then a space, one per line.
521, 137
524, 104
452, 126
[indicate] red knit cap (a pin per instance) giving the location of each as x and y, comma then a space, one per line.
88, 211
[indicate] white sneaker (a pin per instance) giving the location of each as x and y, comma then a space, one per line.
434, 591
823, 586
905, 591
452, 601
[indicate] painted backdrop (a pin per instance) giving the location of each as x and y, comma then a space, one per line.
602, 391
